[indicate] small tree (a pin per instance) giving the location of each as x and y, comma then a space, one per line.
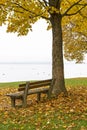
65, 17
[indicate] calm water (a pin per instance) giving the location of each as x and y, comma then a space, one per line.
24, 72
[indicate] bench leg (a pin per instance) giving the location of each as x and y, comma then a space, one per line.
24, 102
12, 102
48, 95
38, 96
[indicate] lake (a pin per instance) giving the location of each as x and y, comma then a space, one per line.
32, 71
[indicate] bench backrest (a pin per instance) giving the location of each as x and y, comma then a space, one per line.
35, 84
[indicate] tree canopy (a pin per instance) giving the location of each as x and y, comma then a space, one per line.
20, 15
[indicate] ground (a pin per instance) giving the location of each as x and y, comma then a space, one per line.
61, 113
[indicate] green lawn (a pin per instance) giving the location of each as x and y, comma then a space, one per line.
10, 84
74, 82
62, 113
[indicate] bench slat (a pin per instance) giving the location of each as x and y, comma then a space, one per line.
31, 91
35, 84
17, 94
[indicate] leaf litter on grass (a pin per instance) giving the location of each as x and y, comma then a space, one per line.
62, 113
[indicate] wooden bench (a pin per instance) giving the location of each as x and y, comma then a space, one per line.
29, 88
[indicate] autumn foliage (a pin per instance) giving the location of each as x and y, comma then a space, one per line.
63, 113
67, 18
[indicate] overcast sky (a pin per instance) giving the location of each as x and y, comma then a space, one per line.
35, 47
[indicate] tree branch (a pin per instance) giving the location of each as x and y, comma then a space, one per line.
66, 12
41, 3
45, 2
45, 18
75, 12
33, 13
18, 5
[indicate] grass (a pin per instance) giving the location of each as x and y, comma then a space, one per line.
62, 113
10, 84
74, 82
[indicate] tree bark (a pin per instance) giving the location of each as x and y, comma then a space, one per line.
57, 56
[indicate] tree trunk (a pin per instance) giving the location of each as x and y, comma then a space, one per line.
57, 56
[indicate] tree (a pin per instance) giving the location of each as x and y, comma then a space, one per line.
61, 16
